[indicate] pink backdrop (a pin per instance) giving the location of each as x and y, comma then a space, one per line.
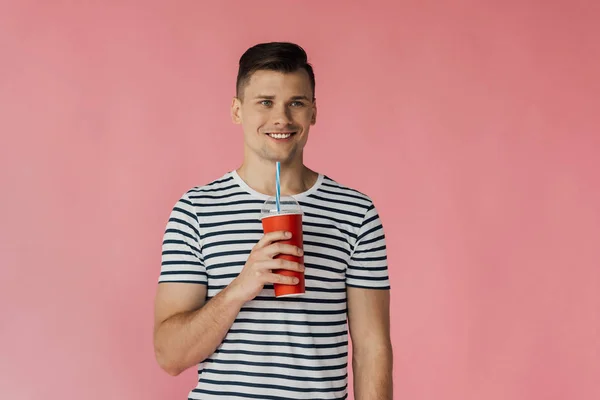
473, 125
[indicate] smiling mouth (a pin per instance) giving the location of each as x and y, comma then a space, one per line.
281, 135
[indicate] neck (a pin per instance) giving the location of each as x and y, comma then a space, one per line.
295, 177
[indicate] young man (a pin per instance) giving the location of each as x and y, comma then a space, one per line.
215, 304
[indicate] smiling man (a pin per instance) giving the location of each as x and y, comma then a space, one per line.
215, 305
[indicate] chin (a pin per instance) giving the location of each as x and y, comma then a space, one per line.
283, 159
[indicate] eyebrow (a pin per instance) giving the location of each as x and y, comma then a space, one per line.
270, 97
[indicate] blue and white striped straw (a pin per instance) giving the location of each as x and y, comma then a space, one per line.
278, 187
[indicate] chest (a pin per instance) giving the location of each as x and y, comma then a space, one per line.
327, 248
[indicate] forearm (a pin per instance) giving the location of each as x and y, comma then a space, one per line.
372, 372
188, 338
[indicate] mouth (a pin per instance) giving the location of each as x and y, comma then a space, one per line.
280, 135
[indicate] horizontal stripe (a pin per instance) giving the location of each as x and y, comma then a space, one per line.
178, 252
375, 229
288, 322
232, 232
277, 365
182, 281
227, 264
328, 227
348, 195
330, 218
368, 259
370, 269
328, 182
178, 232
337, 201
227, 243
186, 272
368, 278
277, 387
276, 376
292, 334
293, 311
207, 225
180, 243
186, 212
182, 222
227, 213
374, 240
327, 246
310, 265
367, 250
237, 203
324, 256
304, 300
330, 209
323, 278
229, 394
219, 189
371, 219
326, 290
283, 355
185, 201
223, 180
300, 345
182, 262
270, 286
367, 287
222, 276
312, 233
215, 197
227, 254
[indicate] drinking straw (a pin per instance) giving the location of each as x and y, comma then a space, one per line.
278, 187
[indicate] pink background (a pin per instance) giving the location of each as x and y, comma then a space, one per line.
473, 125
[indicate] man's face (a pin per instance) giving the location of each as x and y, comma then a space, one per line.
276, 111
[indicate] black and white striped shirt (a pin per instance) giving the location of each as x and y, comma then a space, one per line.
287, 348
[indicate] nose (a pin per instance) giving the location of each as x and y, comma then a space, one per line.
281, 116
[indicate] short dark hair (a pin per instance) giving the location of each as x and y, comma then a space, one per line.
273, 56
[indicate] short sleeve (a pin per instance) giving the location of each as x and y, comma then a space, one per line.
182, 259
368, 267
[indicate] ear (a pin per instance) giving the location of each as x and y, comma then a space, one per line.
236, 111
313, 120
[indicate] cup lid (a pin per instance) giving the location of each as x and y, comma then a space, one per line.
287, 205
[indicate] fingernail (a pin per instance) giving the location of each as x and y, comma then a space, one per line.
300, 252
296, 280
288, 234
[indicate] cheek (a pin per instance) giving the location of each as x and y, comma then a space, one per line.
255, 118
303, 116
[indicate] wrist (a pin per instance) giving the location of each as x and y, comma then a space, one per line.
232, 297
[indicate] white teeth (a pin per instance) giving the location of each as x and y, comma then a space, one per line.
280, 135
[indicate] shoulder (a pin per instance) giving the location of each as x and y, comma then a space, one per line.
223, 182
207, 192
211, 191
332, 187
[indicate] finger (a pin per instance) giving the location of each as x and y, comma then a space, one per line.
281, 264
271, 237
281, 248
281, 279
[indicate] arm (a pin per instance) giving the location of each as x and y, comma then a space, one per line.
372, 357
187, 331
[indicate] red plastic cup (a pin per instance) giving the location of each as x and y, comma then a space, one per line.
289, 219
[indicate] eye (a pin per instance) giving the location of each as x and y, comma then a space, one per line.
266, 103
297, 104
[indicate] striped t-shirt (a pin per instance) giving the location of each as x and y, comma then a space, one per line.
287, 348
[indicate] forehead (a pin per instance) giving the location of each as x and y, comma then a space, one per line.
265, 82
